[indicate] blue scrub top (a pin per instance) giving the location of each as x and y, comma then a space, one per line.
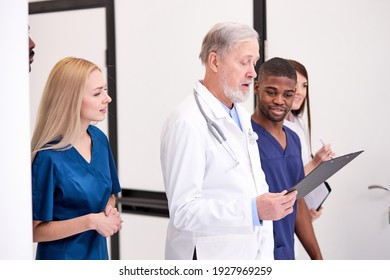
282, 169
66, 186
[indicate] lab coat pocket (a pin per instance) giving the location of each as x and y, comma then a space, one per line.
225, 247
224, 155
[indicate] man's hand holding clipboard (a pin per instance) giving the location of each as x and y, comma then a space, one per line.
322, 173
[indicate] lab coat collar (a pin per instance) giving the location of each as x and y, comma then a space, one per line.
219, 112
212, 102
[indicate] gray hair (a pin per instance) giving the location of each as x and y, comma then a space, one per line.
223, 36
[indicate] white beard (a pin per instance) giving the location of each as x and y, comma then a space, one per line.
234, 95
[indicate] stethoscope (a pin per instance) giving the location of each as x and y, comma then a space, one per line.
218, 134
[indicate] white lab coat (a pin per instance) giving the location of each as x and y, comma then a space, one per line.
209, 197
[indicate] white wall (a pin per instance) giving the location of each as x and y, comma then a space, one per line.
158, 43
15, 186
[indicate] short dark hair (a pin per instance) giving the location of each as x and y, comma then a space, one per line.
278, 67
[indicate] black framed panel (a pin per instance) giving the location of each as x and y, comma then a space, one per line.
260, 25
144, 203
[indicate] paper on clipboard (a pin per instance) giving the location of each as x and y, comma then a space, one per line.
316, 197
321, 173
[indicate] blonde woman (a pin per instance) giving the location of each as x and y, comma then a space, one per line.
74, 178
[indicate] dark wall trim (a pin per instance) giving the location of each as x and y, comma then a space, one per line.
260, 25
144, 203
69, 5
64, 5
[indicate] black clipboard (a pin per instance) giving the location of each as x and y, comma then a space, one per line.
322, 173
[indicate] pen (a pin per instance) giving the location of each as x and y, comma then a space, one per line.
323, 144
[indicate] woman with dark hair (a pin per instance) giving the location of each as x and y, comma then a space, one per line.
295, 120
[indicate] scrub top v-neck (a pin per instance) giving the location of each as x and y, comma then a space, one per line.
66, 186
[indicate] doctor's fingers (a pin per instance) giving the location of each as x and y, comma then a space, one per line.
276, 198
271, 206
289, 196
289, 199
275, 212
282, 210
285, 204
287, 211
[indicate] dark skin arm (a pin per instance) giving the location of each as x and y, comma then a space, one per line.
305, 232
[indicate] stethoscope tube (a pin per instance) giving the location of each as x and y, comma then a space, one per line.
214, 129
210, 123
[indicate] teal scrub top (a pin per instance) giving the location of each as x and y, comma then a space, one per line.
66, 186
